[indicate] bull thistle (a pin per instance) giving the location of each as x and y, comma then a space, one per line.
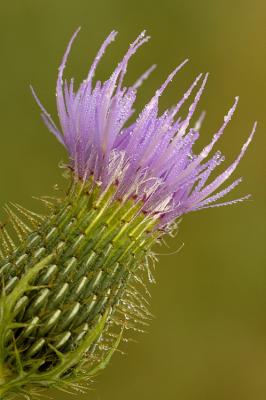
75, 281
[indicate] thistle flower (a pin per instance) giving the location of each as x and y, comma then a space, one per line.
75, 281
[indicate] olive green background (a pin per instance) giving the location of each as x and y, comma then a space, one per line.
208, 340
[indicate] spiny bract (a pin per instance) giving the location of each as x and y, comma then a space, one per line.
74, 282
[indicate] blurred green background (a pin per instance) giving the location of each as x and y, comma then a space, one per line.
208, 340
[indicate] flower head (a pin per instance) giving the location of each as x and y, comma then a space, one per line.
151, 159
74, 282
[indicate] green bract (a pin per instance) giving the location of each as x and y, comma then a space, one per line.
68, 289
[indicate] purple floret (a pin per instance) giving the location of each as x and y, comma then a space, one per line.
150, 160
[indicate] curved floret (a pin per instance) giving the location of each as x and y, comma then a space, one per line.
152, 158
